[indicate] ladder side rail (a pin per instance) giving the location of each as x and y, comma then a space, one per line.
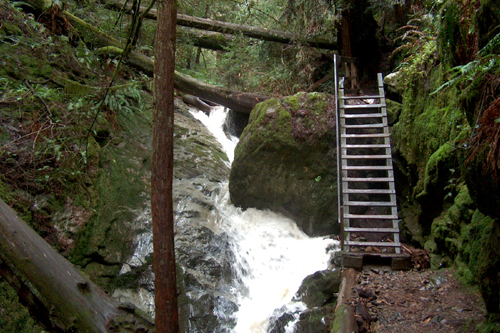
390, 173
340, 209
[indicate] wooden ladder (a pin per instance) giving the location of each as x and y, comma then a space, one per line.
367, 195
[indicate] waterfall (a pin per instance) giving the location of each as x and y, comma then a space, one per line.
246, 265
273, 255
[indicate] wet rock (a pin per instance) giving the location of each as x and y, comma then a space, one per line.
315, 320
319, 288
205, 278
286, 161
208, 313
235, 122
279, 324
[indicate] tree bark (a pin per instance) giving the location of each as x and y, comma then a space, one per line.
270, 35
166, 318
53, 290
197, 103
205, 39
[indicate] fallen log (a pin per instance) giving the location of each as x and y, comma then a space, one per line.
53, 290
197, 103
232, 99
270, 35
204, 39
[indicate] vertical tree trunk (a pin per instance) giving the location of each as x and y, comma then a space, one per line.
358, 38
162, 171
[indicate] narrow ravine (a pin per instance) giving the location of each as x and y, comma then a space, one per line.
273, 254
268, 255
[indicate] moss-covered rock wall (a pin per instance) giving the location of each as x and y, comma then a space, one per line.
448, 194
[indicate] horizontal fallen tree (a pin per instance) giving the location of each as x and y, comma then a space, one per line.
204, 39
270, 35
53, 290
197, 103
232, 99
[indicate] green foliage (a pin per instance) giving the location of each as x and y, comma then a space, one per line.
485, 62
457, 35
419, 51
270, 68
13, 316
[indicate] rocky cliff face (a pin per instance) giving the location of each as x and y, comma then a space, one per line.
443, 146
286, 161
204, 256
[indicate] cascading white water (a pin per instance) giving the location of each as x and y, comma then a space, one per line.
273, 254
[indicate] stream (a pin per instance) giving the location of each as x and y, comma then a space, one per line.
268, 255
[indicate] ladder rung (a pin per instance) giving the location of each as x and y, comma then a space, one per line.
367, 146
365, 126
370, 191
362, 97
361, 106
374, 135
375, 217
391, 230
362, 115
366, 167
370, 203
381, 244
368, 179
365, 157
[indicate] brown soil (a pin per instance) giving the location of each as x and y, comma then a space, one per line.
415, 301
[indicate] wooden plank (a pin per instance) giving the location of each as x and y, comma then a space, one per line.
362, 106
369, 179
380, 125
352, 146
363, 97
362, 115
366, 157
361, 136
370, 203
370, 191
382, 230
377, 254
366, 167
380, 244
375, 217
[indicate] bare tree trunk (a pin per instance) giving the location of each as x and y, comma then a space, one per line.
232, 28
167, 318
205, 39
53, 290
197, 103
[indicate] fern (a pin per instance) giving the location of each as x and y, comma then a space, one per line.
485, 62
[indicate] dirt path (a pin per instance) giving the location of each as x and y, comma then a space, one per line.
415, 301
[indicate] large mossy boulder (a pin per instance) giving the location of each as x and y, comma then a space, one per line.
286, 161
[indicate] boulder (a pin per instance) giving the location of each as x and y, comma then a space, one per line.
316, 320
318, 289
286, 161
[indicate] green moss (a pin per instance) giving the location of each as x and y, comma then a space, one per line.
293, 102
474, 236
426, 122
8, 28
464, 273
436, 162
14, 317
430, 245
339, 321
393, 111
